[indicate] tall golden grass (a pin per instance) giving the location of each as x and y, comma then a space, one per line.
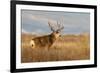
67, 47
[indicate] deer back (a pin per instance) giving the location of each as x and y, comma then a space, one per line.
44, 41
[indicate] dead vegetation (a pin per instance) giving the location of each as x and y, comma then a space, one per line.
67, 47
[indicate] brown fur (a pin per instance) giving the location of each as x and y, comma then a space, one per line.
44, 41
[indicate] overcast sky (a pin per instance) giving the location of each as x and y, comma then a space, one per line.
36, 22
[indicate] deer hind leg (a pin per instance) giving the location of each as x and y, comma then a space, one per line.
32, 44
47, 48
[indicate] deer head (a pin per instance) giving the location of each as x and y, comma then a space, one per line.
56, 28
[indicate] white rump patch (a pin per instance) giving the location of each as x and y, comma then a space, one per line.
32, 44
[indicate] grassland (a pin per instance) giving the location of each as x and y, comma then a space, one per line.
66, 48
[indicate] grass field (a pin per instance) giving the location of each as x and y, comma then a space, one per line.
66, 48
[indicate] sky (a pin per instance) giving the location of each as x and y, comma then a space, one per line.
36, 22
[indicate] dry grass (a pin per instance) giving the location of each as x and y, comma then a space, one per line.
68, 47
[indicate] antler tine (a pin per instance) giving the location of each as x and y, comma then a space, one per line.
60, 26
50, 26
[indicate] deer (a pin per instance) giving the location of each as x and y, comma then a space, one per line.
46, 41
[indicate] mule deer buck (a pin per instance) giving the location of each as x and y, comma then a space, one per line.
47, 41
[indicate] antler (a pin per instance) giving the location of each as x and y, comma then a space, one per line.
60, 26
51, 26
56, 27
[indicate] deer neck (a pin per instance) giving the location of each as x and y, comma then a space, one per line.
53, 37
